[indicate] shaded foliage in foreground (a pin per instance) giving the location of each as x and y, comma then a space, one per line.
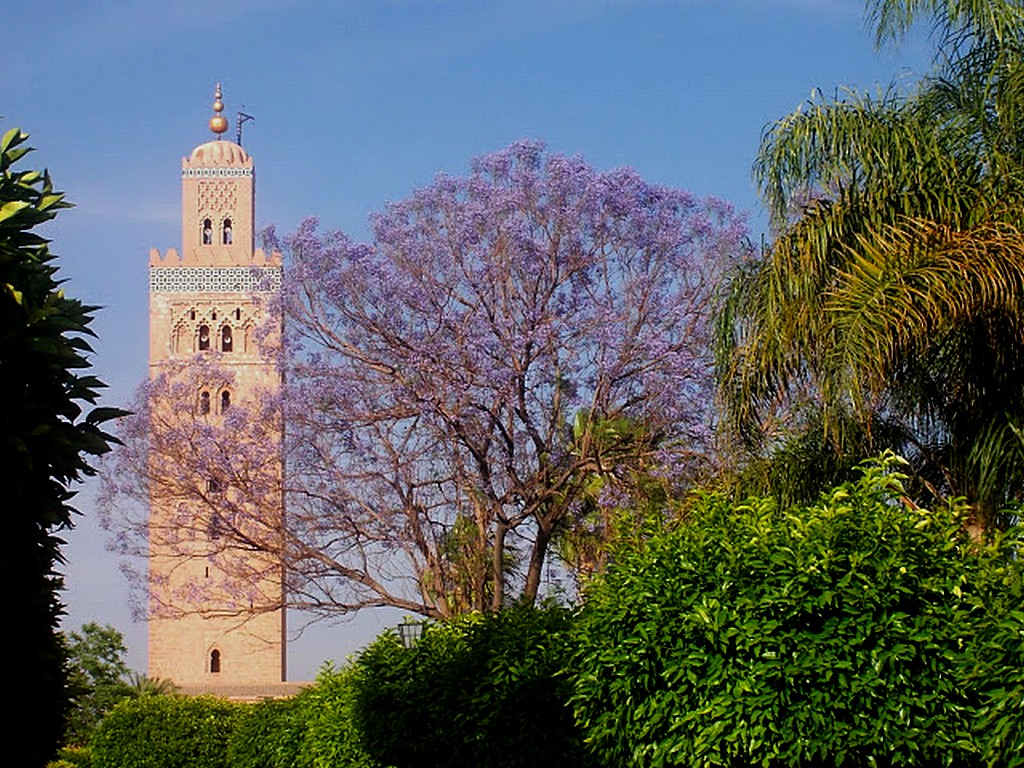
481, 690
47, 431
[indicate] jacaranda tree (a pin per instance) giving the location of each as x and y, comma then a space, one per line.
450, 384
45, 439
888, 310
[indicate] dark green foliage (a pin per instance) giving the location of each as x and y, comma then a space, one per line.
481, 690
98, 678
166, 732
844, 633
44, 441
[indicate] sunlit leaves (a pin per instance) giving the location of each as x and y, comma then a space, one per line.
845, 633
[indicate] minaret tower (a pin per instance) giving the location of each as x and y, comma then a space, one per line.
216, 611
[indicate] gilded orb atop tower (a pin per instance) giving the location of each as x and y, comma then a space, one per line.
218, 123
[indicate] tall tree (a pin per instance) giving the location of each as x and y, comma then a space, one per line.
45, 440
888, 309
449, 384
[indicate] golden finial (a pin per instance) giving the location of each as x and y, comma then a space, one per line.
218, 123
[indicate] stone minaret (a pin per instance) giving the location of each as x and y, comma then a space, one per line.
216, 608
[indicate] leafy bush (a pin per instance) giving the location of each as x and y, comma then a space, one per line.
330, 737
72, 757
313, 729
843, 633
481, 690
999, 666
166, 732
267, 734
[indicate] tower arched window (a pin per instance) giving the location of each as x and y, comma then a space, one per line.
204, 402
207, 232
214, 661
204, 337
225, 339
225, 401
225, 234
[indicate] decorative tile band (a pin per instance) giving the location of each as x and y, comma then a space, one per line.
214, 279
192, 173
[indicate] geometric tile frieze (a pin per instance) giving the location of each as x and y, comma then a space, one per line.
214, 279
192, 173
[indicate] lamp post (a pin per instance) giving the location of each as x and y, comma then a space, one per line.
409, 632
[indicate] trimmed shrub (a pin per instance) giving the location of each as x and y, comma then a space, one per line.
166, 732
481, 690
844, 633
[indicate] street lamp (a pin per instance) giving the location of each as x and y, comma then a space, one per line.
409, 632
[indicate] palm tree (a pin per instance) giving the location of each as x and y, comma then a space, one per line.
143, 685
887, 312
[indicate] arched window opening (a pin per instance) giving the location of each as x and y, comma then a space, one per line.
204, 402
192, 314
214, 314
226, 232
225, 401
238, 314
215, 661
225, 339
204, 337
207, 232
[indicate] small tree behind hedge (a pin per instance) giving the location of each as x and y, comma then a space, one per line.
482, 690
844, 633
166, 732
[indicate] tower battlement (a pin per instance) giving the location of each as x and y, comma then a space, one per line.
212, 257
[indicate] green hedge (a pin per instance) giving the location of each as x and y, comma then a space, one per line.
330, 737
267, 734
480, 690
857, 631
166, 732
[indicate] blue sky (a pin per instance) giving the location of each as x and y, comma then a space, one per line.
358, 102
